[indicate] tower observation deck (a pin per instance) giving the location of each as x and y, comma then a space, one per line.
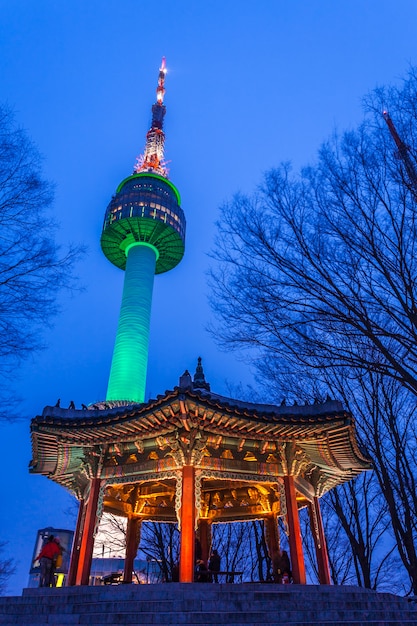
143, 234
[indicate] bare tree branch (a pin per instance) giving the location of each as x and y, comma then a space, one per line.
33, 267
316, 275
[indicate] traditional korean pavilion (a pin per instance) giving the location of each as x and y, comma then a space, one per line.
190, 456
196, 458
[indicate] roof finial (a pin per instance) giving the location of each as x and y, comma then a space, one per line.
199, 378
152, 160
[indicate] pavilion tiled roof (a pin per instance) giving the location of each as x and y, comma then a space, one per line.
324, 431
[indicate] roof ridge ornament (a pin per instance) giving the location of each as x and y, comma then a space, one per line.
199, 378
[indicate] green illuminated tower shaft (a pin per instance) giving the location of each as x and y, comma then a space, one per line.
130, 357
144, 234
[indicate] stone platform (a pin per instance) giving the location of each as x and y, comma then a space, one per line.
223, 604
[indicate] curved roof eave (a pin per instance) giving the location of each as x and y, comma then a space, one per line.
324, 430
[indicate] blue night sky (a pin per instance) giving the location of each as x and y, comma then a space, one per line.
249, 84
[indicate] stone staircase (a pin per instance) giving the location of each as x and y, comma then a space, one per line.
223, 604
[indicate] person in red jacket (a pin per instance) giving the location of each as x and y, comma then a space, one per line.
46, 558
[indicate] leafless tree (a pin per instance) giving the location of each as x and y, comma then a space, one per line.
111, 537
316, 275
232, 541
320, 268
339, 551
386, 418
160, 543
241, 545
362, 514
261, 560
7, 568
33, 268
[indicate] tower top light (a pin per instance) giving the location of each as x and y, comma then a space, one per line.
152, 160
160, 90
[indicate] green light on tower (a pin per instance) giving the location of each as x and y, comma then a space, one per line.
143, 234
130, 357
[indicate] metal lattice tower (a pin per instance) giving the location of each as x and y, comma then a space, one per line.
143, 234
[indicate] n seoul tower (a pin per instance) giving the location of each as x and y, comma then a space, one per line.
143, 234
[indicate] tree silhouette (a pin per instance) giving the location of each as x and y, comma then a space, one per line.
316, 275
33, 268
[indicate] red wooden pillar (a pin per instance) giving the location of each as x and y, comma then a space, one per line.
87, 538
204, 528
75, 552
187, 516
132, 544
296, 546
319, 542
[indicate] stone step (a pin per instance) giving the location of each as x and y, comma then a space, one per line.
249, 617
215, 592
178, 620
251, 604
200, 604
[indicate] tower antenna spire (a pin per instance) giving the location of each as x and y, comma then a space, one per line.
402, 153
152, 159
